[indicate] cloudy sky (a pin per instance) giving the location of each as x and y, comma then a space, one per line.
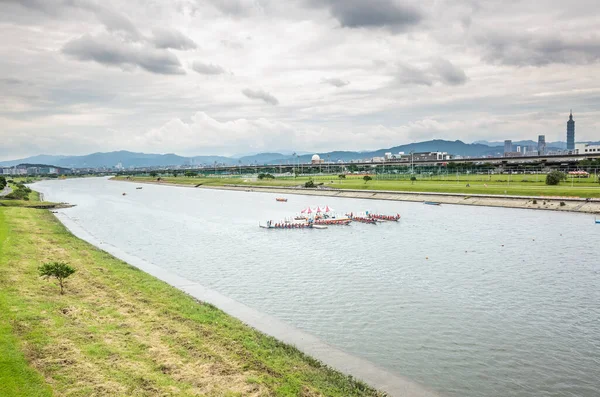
242, 76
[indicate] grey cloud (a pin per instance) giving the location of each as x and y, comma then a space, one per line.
261, 95
114, 21
534, 49
236, 7
207, 68
112, 52
449, 73
411, 75
336, 82
172, 38
11, 81
37, 5
393, 14
440, 70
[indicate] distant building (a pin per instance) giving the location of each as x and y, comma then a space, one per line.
316, 159
541, 145
584, 148
508, 146
571, 132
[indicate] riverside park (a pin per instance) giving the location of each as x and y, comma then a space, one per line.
523, 184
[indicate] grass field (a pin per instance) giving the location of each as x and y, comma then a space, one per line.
120, 332
526, 185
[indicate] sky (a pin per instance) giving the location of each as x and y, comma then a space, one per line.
199, 77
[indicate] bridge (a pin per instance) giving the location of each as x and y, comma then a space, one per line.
563, 161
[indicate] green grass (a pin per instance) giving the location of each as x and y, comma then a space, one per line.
17, 378
521, 185
28, 204
118, 331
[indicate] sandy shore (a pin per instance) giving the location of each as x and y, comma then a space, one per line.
569, 204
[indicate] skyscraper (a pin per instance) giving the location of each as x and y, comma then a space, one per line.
571, 132
507, 146
541, 145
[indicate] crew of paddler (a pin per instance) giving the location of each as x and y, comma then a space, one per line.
332, 221
385, 217
287, 225
362, 219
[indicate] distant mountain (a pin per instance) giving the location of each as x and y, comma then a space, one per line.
127, 159
40, 159
132, 159
437, 145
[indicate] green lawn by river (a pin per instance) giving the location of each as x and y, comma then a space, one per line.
120, 332
523, 184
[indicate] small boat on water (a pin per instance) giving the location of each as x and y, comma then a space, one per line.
139, 187
431, 203
281, 199
597, 220
124, 194
290, 226
344, 222
384, 218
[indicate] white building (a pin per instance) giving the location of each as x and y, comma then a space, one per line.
584, 148
316, 159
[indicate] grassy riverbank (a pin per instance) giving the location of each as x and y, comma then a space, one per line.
518, 185
119, 331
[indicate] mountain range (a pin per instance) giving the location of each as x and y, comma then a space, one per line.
131, 159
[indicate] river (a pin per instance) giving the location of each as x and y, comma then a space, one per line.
468, 301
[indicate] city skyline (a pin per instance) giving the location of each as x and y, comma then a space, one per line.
225, 77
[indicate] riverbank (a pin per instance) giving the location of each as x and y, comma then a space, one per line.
569, 204
120, 331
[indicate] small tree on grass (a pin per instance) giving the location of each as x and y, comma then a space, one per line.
367, 178
341, 176
413, 179
59, 270
555, 177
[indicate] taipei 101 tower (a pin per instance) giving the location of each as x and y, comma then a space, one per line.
571, 133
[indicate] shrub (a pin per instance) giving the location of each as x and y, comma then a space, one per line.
309, 184
562, 204
59, 270
534, 202
265, 176
555, 177
367, 178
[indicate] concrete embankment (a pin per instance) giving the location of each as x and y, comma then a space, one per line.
569, 204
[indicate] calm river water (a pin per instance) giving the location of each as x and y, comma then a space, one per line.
468, 301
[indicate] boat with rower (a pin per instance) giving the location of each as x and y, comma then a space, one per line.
291, 226
431, 203
384, 218
281, 199
323, 221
